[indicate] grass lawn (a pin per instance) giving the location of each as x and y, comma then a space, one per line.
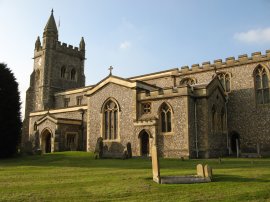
77, 176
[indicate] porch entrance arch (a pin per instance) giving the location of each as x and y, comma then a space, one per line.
46, 141
144, 137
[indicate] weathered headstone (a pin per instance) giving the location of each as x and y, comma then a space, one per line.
129, 151
155, 164
208, 171
99, 148
200, 171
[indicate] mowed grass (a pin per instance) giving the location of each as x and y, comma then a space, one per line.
77, 176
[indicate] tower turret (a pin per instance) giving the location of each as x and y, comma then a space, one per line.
37, 44
82, 45
50, 34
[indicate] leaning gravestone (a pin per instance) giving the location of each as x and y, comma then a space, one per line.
208, 171
129, 151
200, 171
155, 165
99, 148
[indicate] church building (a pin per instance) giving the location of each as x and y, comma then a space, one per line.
203, 111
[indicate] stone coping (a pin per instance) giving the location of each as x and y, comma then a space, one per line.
184, 179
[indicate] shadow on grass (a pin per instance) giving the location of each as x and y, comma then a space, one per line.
236, 178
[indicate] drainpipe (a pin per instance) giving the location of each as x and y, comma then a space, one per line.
196, 128
226, 119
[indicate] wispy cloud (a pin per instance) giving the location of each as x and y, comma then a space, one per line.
254, 36
125, 45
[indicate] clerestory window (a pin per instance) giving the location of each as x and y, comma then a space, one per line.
261, 85
188, 81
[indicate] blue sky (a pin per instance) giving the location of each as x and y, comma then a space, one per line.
136, 37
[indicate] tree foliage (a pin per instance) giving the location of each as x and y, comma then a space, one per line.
10, 115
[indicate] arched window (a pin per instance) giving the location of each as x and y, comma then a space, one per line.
188, 81
166, 118
73, 74
110, 115
63, 72
214, 120
261, 85
35, 126
225, 80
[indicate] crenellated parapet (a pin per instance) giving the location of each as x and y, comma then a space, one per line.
69, 49
164, 93
229, 62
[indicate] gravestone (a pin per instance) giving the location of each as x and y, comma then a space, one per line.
200, 171
155, 164
99, 148
208, 171
129, 151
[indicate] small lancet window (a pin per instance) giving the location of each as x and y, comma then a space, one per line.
261, 85
166, 118
35, 126
110, 115
63, 72
188, 81
73, 75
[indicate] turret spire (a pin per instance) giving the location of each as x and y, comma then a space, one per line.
50, 34
37, 44
51, 25
82, 45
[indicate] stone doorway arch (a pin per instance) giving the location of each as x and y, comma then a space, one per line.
235, 140
144, 137
46, 141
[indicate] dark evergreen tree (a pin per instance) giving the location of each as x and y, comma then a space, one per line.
10, 114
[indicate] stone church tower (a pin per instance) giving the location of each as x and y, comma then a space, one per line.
57, 67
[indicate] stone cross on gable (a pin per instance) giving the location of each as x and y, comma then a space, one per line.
110, 69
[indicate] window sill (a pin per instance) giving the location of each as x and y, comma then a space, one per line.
108, 141
167, 133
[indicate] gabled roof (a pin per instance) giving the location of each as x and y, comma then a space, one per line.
206, 89
122, 82
58, 120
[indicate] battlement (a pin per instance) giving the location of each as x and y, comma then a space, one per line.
230, 61
64, 47
164, 93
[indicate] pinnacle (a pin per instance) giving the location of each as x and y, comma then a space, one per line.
51, 25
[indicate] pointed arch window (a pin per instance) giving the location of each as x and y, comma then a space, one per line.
261, 85
73, 75
166, 118
188, 81
225, 80
63, 72
110, 120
